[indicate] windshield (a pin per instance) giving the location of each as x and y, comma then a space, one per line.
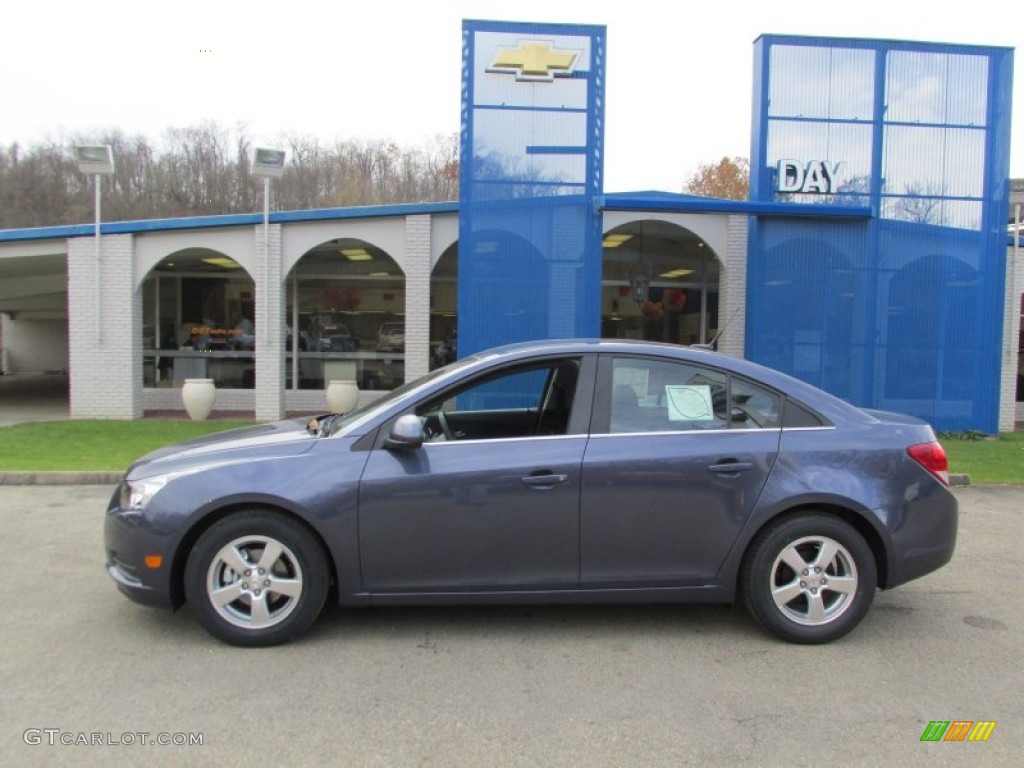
353, 420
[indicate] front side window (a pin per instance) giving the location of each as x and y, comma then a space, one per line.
661, 396
536, 400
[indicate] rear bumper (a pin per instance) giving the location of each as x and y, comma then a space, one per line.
923, 536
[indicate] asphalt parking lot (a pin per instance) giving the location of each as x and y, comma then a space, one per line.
581, 686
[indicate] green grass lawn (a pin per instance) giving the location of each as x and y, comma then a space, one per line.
87, 445
998, 461
113, 445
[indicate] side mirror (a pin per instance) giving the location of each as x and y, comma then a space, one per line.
406, 434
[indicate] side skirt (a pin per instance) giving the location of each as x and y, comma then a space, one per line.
702, 594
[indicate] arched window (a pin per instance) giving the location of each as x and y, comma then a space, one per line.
659, 283
345, 317
198, 318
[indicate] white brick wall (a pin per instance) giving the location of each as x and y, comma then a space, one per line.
270, 308
1008, 415
313, 401
169, 399
417, 296
106, 359
105, 351
732, 289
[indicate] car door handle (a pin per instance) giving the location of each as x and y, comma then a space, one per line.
542, 482
730, 467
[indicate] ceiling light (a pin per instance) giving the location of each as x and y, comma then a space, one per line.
223, 261
614, 241
356, 254
677, 273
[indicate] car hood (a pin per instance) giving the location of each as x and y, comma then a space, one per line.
276, 439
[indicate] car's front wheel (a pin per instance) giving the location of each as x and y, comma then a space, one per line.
256, 579
809, 578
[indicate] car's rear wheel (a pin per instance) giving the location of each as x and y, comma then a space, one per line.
256, 579
809, 578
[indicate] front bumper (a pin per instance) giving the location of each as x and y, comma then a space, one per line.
129, 540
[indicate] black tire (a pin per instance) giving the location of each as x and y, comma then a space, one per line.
802, 604
273, 601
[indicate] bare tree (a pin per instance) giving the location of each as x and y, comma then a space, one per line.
854, 191
921, 205
206, 169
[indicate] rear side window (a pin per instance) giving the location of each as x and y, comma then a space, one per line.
658, 396
753, 406
799, 417
661, 396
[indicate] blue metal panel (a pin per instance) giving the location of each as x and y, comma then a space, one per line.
805, 311
760, 175
835, 82
663, 202
229, 220
531, 168
903, 311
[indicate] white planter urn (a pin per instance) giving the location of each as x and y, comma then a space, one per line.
342, 395
197, 396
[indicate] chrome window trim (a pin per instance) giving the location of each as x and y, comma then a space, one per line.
685, 432
712, 431
523, 438
477, 441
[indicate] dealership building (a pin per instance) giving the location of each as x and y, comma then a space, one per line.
872, 258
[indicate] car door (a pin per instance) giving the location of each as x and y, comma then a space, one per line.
678, 457
491, 501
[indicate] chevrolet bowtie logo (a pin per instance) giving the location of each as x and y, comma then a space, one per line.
534, 62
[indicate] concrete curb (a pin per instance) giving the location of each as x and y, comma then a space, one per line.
959, 479
60, 478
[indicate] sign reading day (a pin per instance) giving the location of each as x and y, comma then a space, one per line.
818, 177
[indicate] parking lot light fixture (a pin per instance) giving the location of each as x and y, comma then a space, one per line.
269, 164
96, 160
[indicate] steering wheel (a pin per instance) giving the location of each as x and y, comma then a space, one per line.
443, 421
435, 427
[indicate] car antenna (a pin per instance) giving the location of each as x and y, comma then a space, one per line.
710, 345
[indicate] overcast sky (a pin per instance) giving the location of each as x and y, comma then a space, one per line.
679, 73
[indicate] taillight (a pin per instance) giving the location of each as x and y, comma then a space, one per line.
932, 457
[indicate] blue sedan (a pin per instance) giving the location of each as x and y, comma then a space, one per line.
556, 471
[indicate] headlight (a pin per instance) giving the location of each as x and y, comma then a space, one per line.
136, 494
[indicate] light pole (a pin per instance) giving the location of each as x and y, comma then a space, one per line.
96, 160
268, 163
